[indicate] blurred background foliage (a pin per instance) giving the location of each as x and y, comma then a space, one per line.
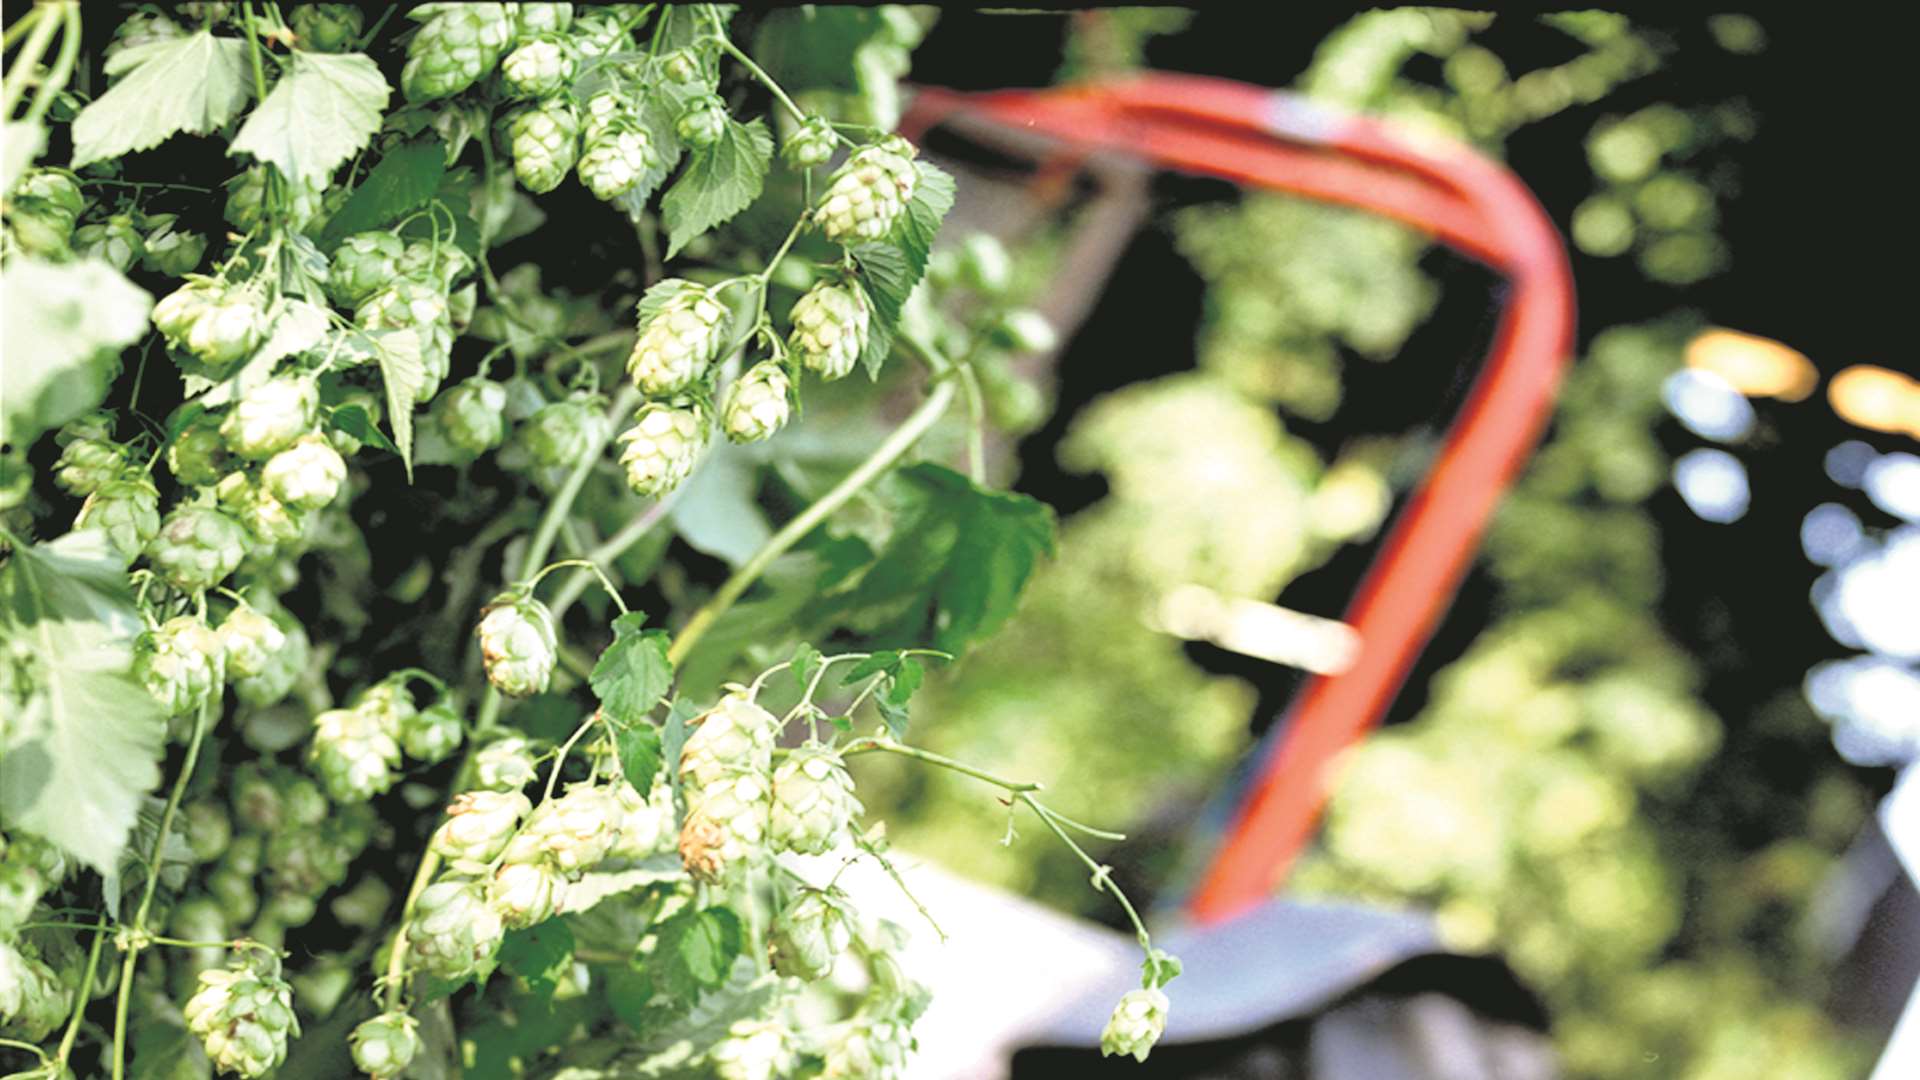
1559, 790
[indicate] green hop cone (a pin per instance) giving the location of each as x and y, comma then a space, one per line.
244, 1019
809, 935
306, 475
571, 832
867, 1048
457, 47
473, 415
354, 752
42, 210
478, 825
170, 251
758, 403
443, 264
614, 160
1135, 1025
525, 893
602, 113
226, 330
306, 860
390, 703
868, 193
454, 930
22, 884
127, 510
411, 304
681, 67
830, 326
561, 433
505, 764
271, 523
246, 200
362, 265
432, 733
682, 338
249, 641
198, 455
646, 822
813, 801
726, 825
810, 144
268, 418
325, 28
703, 122
518, 644
660, 449
115, 242
754, 1049
86, 465
208, 829
384, 1046
283, 669
197, 547
532, 19
177, 663
735, 735
33, 998
546, 143
537, 69
598, 31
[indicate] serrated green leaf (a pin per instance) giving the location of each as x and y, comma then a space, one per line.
719, 182
403, 373
164, 1050
193, 84
657, 118
633, 674
805, 664
403, 181
353, 420
87, 747
673, 737
954, 567
882, 662
696, 951
63, 325
324, 109
539, 956
640, 756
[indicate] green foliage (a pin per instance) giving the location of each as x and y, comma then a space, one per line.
720, 181
64, 324
193, 84
404, 180
633, 674
324, 109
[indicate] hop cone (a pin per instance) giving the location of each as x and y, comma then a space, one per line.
208, 830
726, 824
454, 931
404, 304
177, 663
306, 860
355, 753
754, 1049
604, 111
1135, 1025
114, 241
128, 511
459, 44
32, 1000
703, 122
86, 464
363, 264
441, 264
197, 547
809, 935
537, 69
505, 764
42, 210
525, 893
306, 475
660, 449
614, 160
432, 733
868, 1048
572, 832
226, 330
830, 326
559, 434
758, 403
172, 252
198, 455
543, 19
479, 824
325, 27
473, 415
868, 193
384, 1046
283, 669
675, 346
735, 735
268, 418
596, 32
390, 703
810, 144
813, 801
646, 822
243, 1019
270, 521
249, 640
518, 644
546, 143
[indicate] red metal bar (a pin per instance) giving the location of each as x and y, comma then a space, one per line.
1272, 140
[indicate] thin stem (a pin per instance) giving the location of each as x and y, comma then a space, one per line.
253, 52
868, 746
976, 425
20, 26
560, 758
26, 62
614, 547
62, 67
1102, 875
134, 940
16, 1044
86, 994
590, 565
883, 456
765, 79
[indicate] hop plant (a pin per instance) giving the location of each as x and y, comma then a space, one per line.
809, 935
249, 641
537, 68
454, 930
325, 27
197, 547
734, 736
646, 822
363, 264
473, 415
758, 403
830, 326
171, 251
268, 418
177, 662
306, 475
384, 1046
754, 1049
602, 113
867, 194
518, 644
531, 19
283, 669
478, 825
457, 47
87, 464
660, 449
198, 454
269, 521
679, 341
560, 433
1136, 1024
868, 1048
546, 143
810, 144
127, 510
726, 825
813, 801
243, 1018
702, 122
441, 264
432, 733
525, 893
505, 764
572, 832
355, 753
33, 1000
615, 159
42, 210
114, 241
